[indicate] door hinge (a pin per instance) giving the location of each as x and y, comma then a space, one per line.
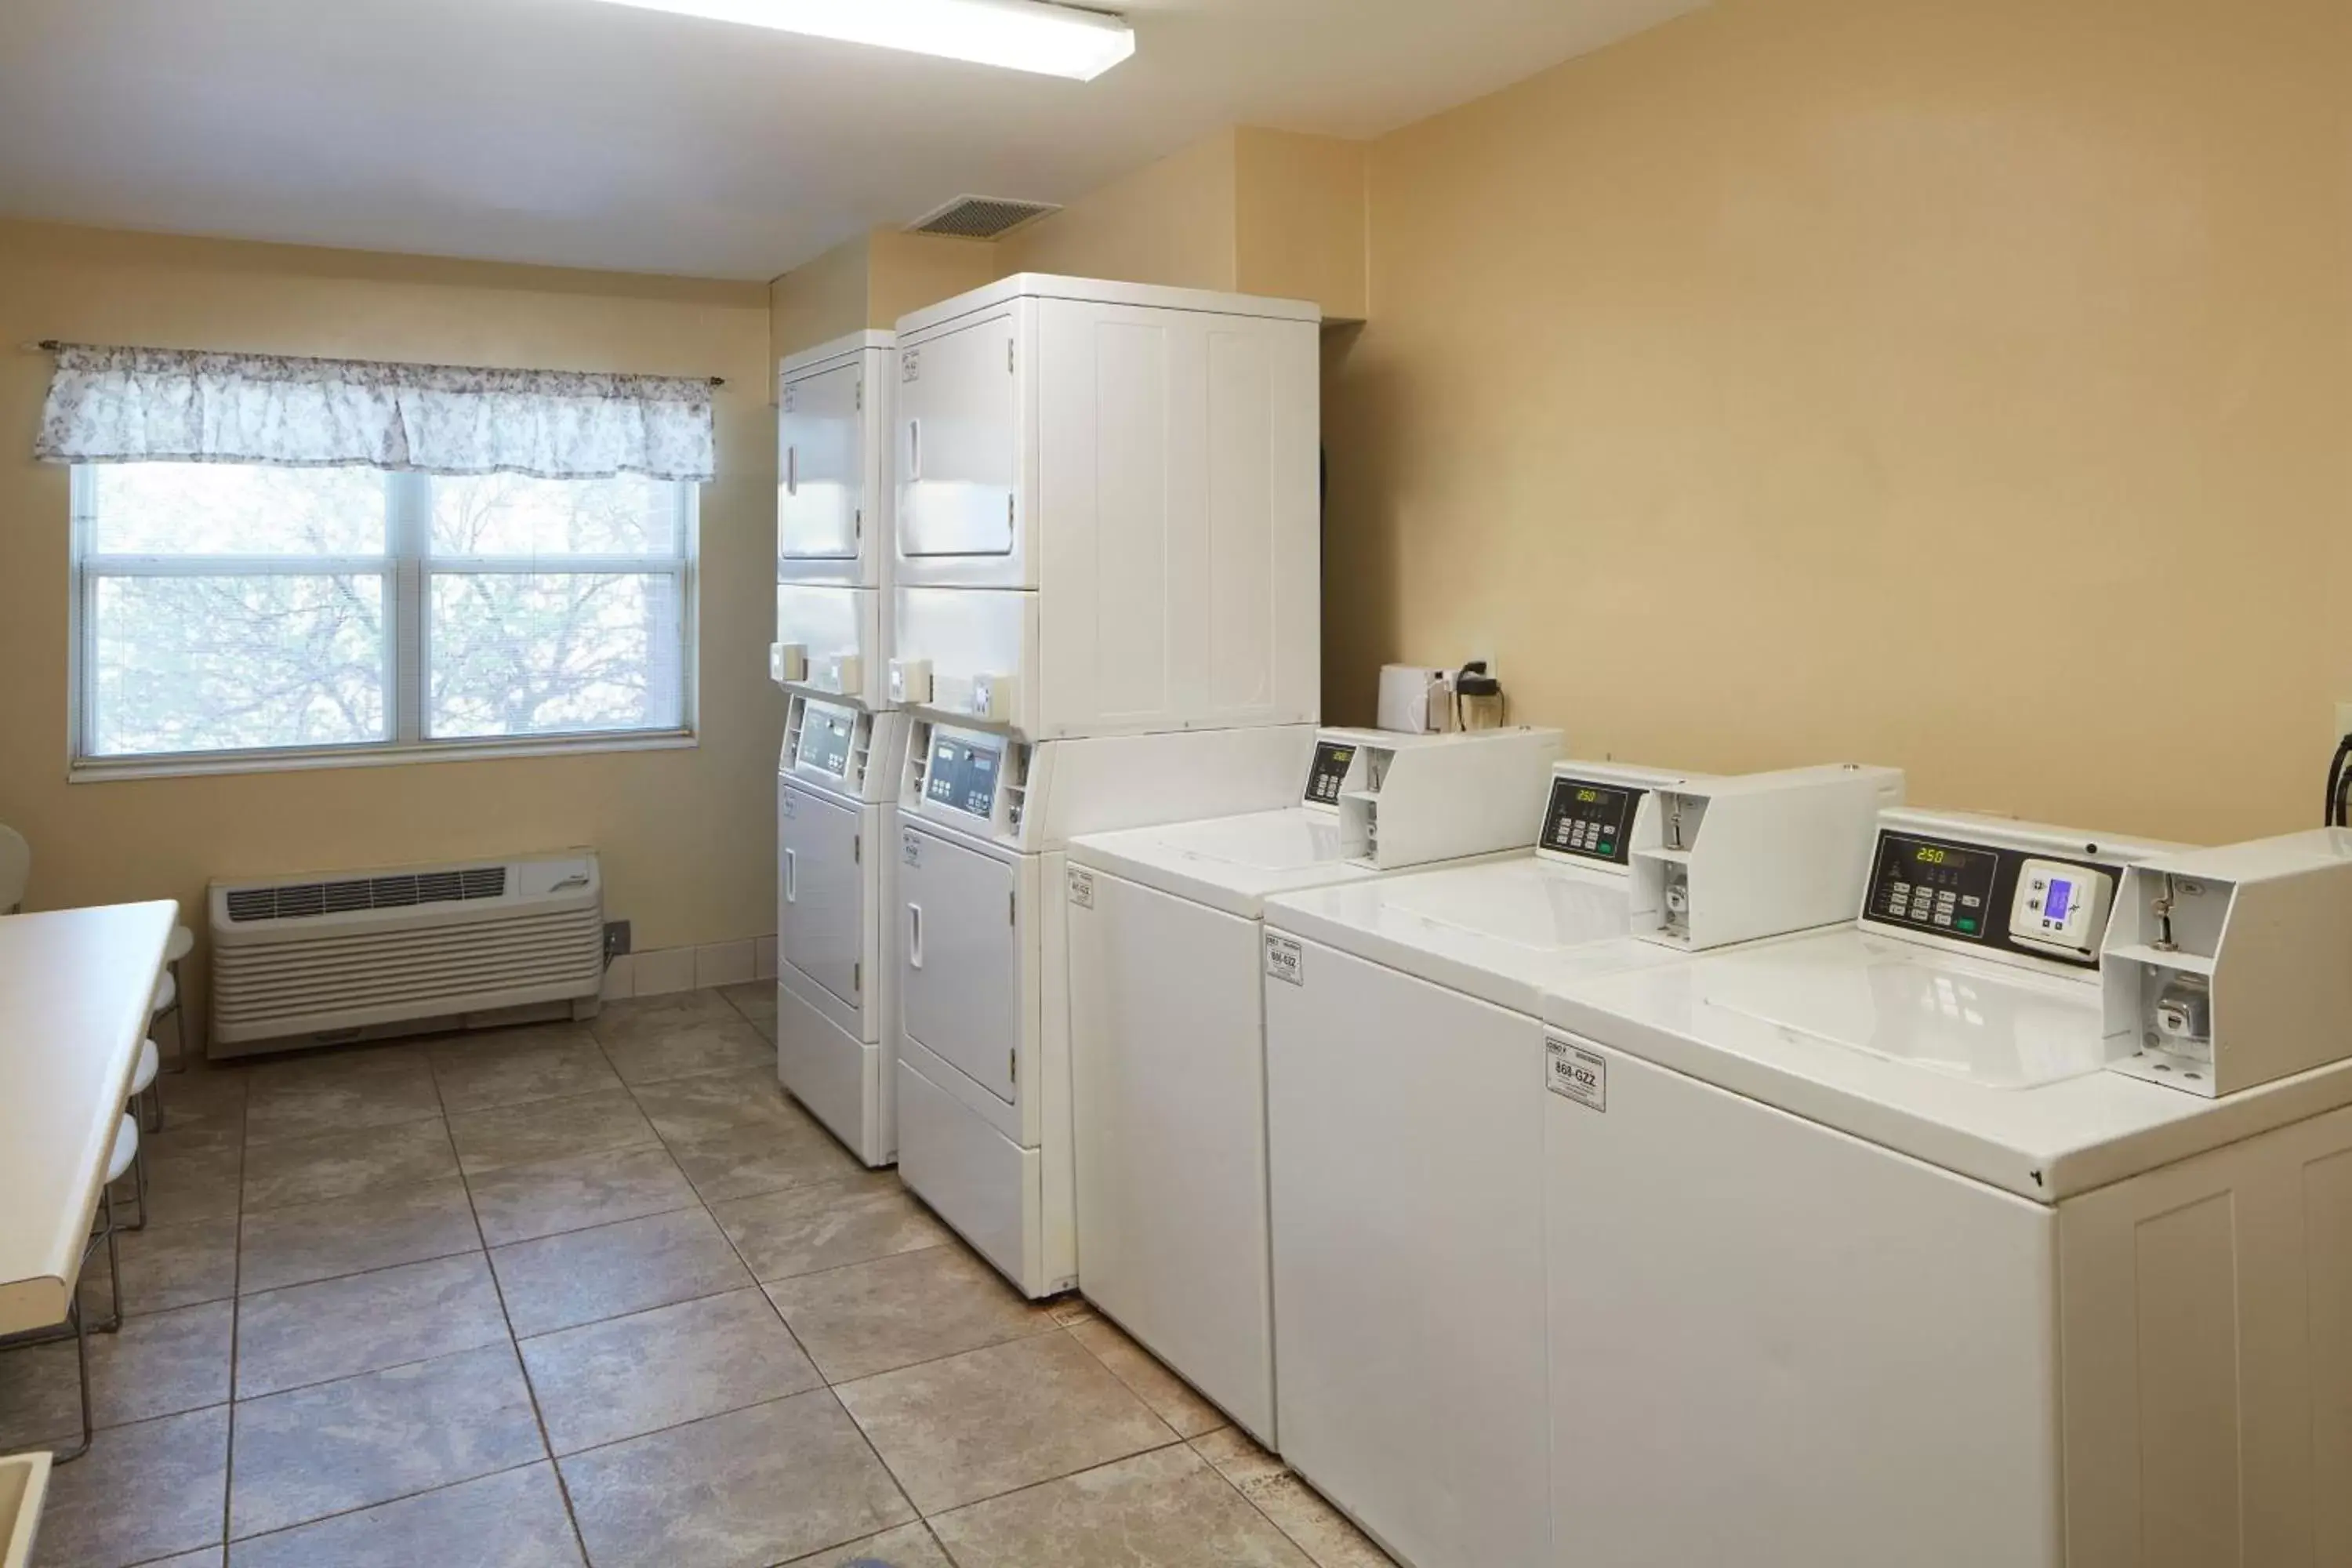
861, 398
858, 849
1012, 908
1013, 1064
1008, 511
1008, 356
857, 524
858, 976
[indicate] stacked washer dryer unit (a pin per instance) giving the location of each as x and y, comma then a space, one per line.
1870, 1246
1404, 1035
1167, 1025
1106, 615
845, 738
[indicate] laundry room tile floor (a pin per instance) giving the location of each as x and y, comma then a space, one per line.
599, 1294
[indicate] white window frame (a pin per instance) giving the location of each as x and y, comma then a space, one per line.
409, 570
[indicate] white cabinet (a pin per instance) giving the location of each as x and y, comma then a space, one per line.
1125, 481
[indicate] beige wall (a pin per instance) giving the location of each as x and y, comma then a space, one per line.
870, 283
1965, 387
1170, 222
1300, 219
687, 836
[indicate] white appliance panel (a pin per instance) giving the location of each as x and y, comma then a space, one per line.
960, 957
843, 634
831, 1071
820, 484
958, 445
1168, 1058
1405, 1131
822, 914
985, 1185
1774, 1345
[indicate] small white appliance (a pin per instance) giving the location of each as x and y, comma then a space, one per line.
982, 1017
836, 810
1403, 1032
338, 956
844, 740
1857, 1253
1107, 517
1168, 1029
834, 505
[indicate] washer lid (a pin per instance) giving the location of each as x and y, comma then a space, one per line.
1498, 930
1230, 863
1987, 1070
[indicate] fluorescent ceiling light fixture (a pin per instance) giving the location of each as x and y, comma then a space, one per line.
1019, 35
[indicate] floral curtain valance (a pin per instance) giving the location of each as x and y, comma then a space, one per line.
120, 405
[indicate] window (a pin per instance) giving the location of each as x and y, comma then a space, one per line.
236, 613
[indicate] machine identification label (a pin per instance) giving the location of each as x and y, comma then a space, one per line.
1082, 887
1581, 1075
792, 806
910, 850
910, 365
1285, 960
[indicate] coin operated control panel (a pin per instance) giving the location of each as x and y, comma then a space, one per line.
2226, 968
2005, 891
975, 781
1411, 799
844, 750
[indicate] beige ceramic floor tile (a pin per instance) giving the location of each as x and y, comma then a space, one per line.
989, 1421
1321, 1530
755, 1160
515, 1519
1171, 1398
655, 1038
336, 1327
548, 1130
908, 1546
513, 1067
142, 1493
308, 1096
756, 1000
711, 1105
764, 1485
897, 1310
363, 1440
518, 1203
344, 1164
626, 1376
1165, 1509
166, 1266
586, 1276
303, 1242
201, 1184
159, 1363
804, 1230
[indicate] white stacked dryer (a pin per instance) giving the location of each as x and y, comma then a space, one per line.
844, 740
1403, 1035
1167, 1025
1107, 615
1863, 1248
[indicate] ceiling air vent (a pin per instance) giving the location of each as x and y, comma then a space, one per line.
981, 217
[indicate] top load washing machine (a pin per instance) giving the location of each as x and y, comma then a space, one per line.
1403, 1031
1858, 1252
1168, 1030
982, 1017
1107, 510
845, 742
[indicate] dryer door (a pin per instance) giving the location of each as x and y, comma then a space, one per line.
820, 483
821, 892
960, 957
958, 415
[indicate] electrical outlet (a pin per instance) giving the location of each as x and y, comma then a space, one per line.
616, 940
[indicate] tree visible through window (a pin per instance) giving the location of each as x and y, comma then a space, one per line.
225, 608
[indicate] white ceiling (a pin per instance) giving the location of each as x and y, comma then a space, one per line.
592, 135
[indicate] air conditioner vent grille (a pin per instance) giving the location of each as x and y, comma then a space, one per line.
304, 901
981, 217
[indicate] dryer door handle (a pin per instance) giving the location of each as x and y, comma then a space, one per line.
791, 877
914, 936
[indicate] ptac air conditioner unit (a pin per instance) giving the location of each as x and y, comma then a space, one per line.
363, 954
